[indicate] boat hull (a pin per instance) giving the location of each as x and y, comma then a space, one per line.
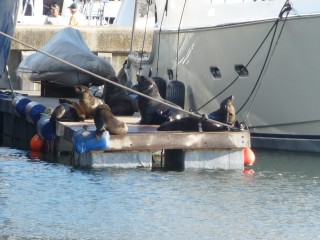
278, 99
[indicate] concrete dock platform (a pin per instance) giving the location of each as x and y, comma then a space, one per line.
178, 150
209, 150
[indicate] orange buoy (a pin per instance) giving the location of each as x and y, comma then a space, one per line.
249, 156
36, 144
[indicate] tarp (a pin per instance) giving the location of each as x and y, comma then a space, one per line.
8, 14
69, 45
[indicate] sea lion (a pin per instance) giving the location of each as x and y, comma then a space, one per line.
87, 100
226, 113
104, 120
154, 112
118, 99
191, 124
69, 111
80, 112
162, 86
122, 75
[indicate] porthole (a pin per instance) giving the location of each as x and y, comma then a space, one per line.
241, 70
215, 71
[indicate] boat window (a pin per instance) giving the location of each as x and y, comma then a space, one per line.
143, 27
241, 70
215, 71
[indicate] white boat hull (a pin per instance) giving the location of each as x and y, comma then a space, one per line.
282, 110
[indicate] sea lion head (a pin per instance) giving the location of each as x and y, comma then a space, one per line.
228, 110
81, 89
147, 86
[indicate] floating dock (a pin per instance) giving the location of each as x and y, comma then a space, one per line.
142, 146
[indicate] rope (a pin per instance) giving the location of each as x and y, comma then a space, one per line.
144, 37
12, 111
133, 26
178, 41
284, 8
109, 81
263, 71
253, 56
9, 79
160, 29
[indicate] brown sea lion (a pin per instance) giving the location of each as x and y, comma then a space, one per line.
226, 113
69, 111
87, 100
81, 113
154, 112
104, 120
118, 99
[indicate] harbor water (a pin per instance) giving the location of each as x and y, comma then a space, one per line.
277, 199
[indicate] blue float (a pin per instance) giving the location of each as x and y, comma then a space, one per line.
19, 103
84, 141
45, 128
33, 111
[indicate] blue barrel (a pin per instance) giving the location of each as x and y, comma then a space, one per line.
19, 103
176, 92
84, 141
33, 111
45, 128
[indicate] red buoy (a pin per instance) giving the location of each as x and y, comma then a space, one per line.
249, 156
37, 144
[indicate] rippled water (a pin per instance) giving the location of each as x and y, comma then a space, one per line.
279, 200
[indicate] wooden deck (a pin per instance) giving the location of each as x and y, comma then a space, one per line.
146, 137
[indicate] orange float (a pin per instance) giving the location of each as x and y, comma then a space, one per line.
36, 144
249, 156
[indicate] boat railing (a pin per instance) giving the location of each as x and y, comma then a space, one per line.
237, 1
103, 12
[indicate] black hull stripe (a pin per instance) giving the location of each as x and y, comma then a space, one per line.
287, 136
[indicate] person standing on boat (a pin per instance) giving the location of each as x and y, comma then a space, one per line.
76, 17
54, 18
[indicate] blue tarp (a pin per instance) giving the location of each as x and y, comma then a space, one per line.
8, 14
